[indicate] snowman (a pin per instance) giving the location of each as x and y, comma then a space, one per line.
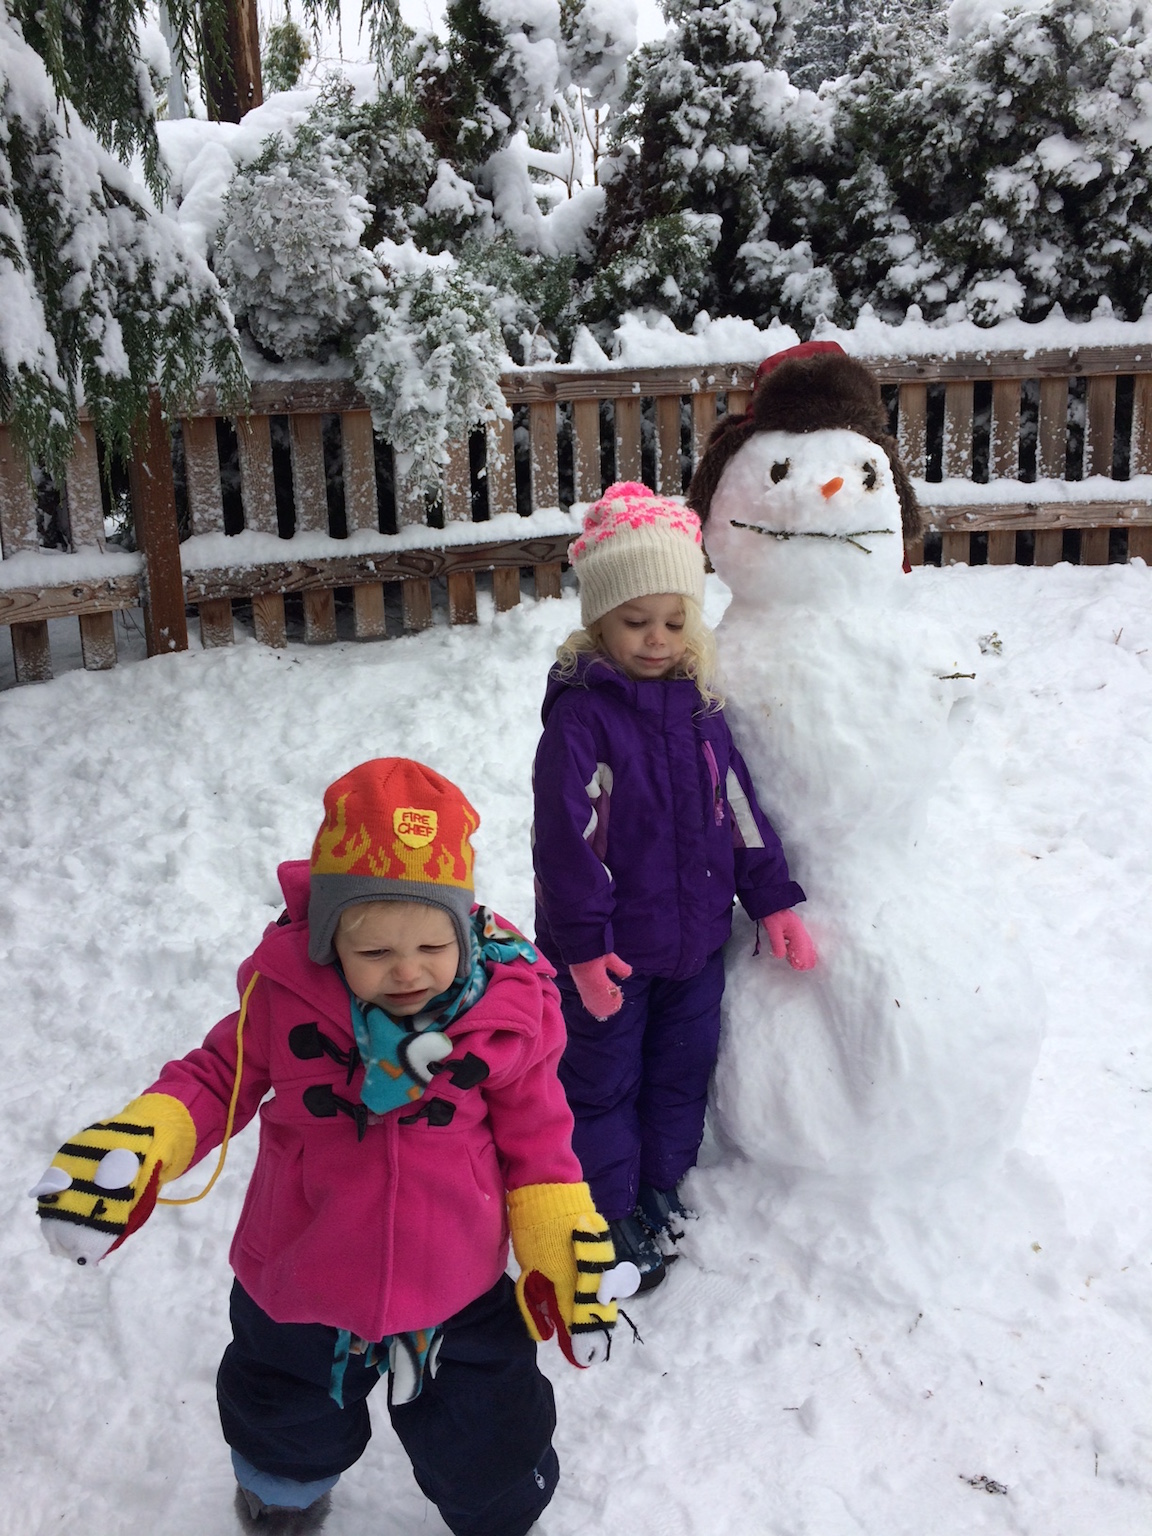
910, 1048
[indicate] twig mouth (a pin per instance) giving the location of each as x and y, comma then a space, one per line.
798, 533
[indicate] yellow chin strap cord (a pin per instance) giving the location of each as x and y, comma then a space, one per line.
192, 1199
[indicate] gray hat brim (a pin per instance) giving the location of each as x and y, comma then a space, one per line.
329, 895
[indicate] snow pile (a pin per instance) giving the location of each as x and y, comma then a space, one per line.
646, 339
60, 568
1031, 493
913, 336
815, 1363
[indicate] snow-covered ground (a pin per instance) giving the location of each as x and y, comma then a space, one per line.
826, 1359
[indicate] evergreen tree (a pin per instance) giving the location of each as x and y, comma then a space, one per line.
828, 34
100, 294
1008, 173
507, 64
701, 105
92, 57
286, 52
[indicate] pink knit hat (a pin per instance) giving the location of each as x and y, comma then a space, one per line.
635, 544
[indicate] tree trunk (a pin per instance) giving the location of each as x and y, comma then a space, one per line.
232, 82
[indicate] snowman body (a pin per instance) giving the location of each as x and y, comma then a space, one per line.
912, 1044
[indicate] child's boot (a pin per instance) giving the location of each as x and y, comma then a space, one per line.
663, 1212
280, 1506
278, 1519
635, 1243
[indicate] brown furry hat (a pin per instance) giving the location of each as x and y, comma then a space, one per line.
806, 389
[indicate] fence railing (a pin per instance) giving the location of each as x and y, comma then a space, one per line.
1020, 458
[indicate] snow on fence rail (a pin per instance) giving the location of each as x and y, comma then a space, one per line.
1028, 458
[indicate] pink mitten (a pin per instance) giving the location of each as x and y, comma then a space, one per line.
787, 935
601, 996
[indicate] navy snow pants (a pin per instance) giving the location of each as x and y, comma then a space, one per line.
637, 1083
478, 1436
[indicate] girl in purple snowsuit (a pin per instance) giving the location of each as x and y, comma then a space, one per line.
646, 828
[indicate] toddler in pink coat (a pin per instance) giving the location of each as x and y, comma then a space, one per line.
410, 1041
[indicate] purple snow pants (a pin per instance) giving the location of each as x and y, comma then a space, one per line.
637, 1083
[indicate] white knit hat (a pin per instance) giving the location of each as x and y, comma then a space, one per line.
636, 544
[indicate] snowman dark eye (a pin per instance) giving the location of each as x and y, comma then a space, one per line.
870, 476
779, 471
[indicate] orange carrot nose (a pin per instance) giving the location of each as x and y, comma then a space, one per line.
832, 486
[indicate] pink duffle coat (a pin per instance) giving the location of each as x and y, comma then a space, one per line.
401, 1229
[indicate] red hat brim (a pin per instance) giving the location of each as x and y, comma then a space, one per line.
805, 349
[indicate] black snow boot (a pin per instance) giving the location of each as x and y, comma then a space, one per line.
663, 1212
634, 1242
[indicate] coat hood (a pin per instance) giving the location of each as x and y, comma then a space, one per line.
282, 954
293, 876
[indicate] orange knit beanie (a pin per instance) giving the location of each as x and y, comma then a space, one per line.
393, 831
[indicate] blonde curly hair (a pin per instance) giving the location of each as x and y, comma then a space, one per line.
698, 663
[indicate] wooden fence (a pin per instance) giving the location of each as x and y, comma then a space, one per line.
1008, 419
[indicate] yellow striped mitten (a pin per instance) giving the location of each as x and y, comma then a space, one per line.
103, 1183
562, 1245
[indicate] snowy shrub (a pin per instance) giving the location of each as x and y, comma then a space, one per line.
826, 38
453, 212
599, 36
430, 367
470, 149
799, 286
530, 67
667, 268
506, 63
521, 92
1025, 162
463, 93
994, 172
295, 245
531, 296
289, 248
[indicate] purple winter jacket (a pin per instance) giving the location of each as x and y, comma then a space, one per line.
646, 825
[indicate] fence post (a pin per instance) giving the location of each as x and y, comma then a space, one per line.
627, 412
542, 446
31, 652
154, 512
1101, 423
669, 481
1140, 539
586, 449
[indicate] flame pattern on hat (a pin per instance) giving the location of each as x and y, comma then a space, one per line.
358, 835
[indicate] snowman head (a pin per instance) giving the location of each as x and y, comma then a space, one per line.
803, 498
